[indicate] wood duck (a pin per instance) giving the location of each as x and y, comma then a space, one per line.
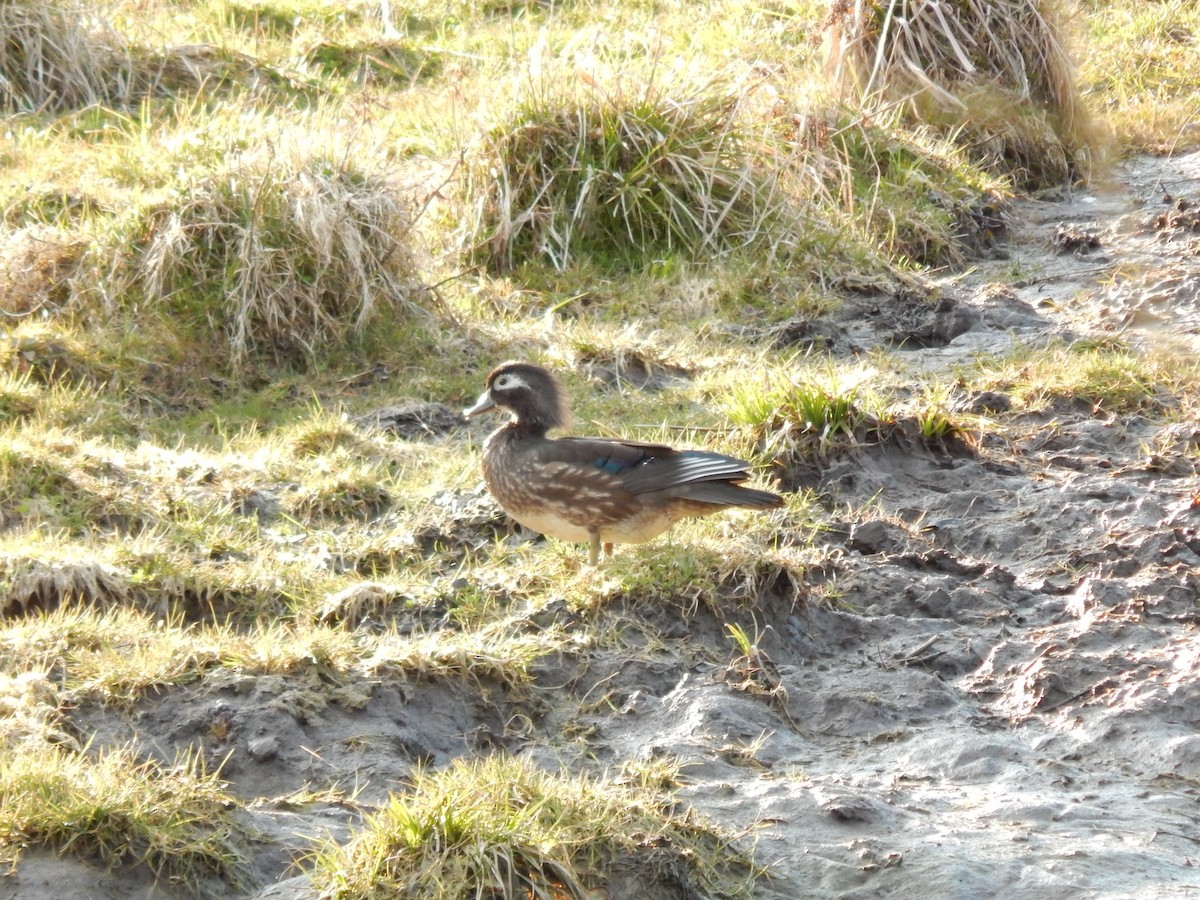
596, 490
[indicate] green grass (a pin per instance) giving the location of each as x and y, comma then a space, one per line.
1108, 379
115, 809
1140, 72
500, 827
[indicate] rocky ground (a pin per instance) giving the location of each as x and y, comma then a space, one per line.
1000, 694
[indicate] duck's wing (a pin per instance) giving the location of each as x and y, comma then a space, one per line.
644, 468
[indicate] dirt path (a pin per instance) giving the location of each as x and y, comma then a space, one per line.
1003, 700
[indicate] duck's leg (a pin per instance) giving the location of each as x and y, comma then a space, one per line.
594, 549
607, 550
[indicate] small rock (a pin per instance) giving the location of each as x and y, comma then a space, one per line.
875, 536
262, 749
263, 503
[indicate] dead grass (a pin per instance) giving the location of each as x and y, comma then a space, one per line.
998, 76
37, 264
63, 55
282, 254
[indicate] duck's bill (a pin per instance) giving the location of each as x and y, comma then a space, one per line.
483, 404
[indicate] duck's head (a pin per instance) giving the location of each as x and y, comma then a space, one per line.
529, 392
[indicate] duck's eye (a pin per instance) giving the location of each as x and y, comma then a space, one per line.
508, 382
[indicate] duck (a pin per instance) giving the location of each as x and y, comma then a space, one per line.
593, 490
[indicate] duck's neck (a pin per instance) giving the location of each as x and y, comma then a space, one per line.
516, 432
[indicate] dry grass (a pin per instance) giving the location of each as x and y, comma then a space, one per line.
283, 253
1000, 76
37, 265
57, 56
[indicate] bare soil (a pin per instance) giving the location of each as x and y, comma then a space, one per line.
1003, 699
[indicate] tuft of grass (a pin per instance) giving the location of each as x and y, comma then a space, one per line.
998, 76
399, 61
283, 254
51, 355
622, 172
935, 423
37, 264
31, 711
18, 399
59, 55
751, 669
116, 809
63, 55
910, 192
802, 415
501, 828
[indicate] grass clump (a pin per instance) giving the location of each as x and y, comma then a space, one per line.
19, 399
36, 268
400, 61
115, 809
282, 254
913, 194
802, 415
621, 172
501, 828
998, 76
49, 355
60, 56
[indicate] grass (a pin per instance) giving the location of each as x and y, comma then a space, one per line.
928, 61
500, 827
118, 810
1140, 73
1108, 379
228, 229
623, 171
810, 413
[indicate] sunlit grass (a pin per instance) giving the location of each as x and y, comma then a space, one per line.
1107, 379
503, 828
114, 809
217, 243
1140, 72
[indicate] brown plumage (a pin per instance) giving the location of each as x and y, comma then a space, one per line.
596, 490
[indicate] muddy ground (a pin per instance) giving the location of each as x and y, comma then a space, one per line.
1003, 700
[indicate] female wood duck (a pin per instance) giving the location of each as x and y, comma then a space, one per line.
596, 490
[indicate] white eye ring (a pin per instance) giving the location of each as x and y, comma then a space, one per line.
507, 381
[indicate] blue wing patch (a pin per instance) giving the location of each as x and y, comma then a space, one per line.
611, 466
